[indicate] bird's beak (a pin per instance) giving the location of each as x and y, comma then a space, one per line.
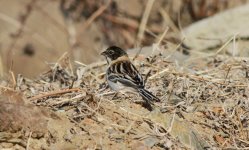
103, 53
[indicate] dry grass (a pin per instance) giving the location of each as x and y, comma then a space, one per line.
203, 105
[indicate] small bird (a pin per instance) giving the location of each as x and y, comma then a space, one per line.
122, 75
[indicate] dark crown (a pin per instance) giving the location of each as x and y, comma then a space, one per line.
114, 52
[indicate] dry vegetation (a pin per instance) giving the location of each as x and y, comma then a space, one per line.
204, 104
204, 99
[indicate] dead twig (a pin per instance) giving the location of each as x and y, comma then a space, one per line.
144, 20
94, 16
137, 54
28, 142
227, 74
6, 88
54, 93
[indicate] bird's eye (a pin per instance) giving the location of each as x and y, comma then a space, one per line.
111, 52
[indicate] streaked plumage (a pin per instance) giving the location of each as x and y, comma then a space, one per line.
122, 75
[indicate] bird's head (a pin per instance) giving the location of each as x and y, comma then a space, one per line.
114, 53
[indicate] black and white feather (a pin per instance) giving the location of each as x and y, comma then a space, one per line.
122, 75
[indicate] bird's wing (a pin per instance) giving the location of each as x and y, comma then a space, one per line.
125, 73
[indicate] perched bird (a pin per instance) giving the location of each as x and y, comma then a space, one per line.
122, 75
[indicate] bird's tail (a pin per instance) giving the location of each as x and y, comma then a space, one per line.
148, 95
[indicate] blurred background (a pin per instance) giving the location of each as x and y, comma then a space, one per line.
35, 33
